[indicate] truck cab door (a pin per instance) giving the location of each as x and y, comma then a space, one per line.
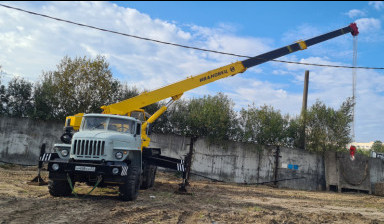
138, 135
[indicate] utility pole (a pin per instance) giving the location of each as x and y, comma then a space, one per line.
304, 107
354, 64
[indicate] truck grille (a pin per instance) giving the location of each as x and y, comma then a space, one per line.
88, 148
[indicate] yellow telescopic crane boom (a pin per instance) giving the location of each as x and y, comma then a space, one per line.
175, 90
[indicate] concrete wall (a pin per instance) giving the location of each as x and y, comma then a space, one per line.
353, 174
171, 145
21, 139
231, 162
331, 173
301, 169
377, 174
248, 163
362, 173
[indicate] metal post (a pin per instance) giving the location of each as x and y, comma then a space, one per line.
304, 107
354, 62
188, 164
275, 173
305, 92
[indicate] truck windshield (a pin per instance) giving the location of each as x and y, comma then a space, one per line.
121, 125
106, 123
92, 123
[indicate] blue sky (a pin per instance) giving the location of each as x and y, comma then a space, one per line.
31, 44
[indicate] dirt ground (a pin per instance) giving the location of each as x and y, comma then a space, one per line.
209, 202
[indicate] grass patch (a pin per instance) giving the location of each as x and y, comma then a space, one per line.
254, 209
7, 166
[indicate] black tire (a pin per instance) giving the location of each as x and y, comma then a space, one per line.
130, 189
153, 176
59, 188
148, 177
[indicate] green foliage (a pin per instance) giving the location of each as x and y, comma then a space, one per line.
3, 97
212, 117
377, 146
45, 102
77, 85
173, 121
264, 126
3, 100
125, 92
364, 152
328, 129
19, 98
295, 133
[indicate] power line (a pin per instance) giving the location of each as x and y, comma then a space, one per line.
180, 45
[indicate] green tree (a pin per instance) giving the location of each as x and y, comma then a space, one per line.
19, 97
295, 133
3, 100
77, 85
328, 129
3, 97
125, 92
265, 126
174, 120
377, 146
212, 117
45, 104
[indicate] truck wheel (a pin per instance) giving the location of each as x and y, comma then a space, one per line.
130, 189
154, 169
148, 177
59, 188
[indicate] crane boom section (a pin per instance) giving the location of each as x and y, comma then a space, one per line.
300, 45
175, 90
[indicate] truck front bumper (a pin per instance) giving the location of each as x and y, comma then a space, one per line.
86, 172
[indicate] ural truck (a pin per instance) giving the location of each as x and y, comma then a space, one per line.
112, 148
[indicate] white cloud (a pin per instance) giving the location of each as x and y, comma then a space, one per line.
368, 24
302, 32
220, 39
378, 5
33, 43
249, 91
355, 13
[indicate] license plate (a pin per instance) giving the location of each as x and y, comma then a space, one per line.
85, 168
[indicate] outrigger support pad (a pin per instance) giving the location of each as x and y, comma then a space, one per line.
38, 181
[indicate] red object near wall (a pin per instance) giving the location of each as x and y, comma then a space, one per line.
352, 151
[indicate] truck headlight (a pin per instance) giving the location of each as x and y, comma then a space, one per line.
119, 155
55, 167
64, 152
115, 171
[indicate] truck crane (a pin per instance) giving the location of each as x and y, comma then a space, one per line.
112, 148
